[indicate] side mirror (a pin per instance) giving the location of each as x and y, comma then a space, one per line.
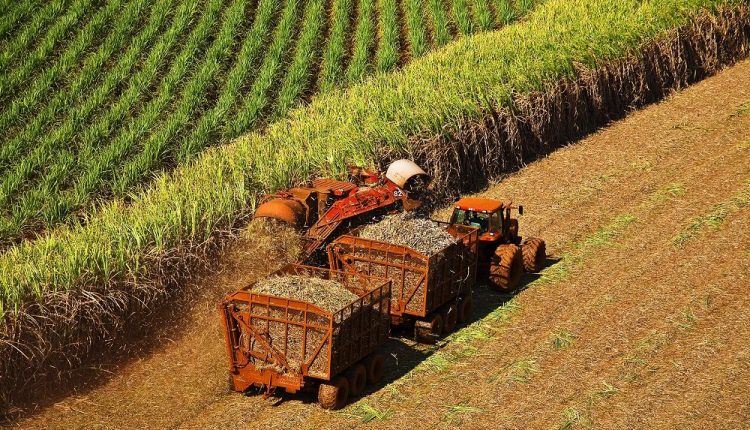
520, 209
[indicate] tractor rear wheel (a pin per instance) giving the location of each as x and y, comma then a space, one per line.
357, 376
507, 267
428, 331
375, 365
450, 318
534, 254
464, 309
334, 395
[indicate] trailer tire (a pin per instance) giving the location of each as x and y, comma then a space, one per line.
450, 318
464, 309
335, 394
357, 376
428, 331
534, 254
506, 267
375, 365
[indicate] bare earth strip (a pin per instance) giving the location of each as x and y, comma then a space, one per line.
642, 323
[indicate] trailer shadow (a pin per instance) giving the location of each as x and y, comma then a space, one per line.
403, 354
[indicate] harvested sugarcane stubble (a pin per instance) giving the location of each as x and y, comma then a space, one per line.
326, 294
404, 229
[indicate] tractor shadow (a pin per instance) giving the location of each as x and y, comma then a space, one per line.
403, 354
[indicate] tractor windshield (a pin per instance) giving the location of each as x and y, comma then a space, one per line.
472, 218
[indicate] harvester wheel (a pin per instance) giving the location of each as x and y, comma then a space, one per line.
357, 376
375, 365
507, 267
430, 330
534, 254
334, 395
464, 309
450, 318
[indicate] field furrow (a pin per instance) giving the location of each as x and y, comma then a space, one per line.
78, 165
481, 15
257, 98
14, 78
414, 13
332, 70
461, 16
19, 45
439, 22
364, 42
98, 163
23, 107
158, 147
13, 16
298, 76
388, 50
209, 126
55, 149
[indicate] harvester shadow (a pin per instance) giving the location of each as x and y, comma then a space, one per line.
403, 354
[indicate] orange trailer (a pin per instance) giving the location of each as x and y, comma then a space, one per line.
274, 342
433, 292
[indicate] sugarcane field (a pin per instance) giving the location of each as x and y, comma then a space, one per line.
388, 214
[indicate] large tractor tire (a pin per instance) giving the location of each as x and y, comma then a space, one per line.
506, 268
534, 252
357, 376
429, 331
335, 394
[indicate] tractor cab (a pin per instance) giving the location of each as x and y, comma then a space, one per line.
491, 217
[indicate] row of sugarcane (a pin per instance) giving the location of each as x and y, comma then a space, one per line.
144, 86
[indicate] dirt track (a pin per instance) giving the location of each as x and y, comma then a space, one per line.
651, 221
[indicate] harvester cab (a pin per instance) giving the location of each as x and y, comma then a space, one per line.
329, 206
503, 255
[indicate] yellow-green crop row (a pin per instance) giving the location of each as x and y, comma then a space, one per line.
119, 242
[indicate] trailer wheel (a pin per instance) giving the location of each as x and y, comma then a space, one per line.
357, 376
334, 395
506, 268
534, 254
430, 330
464, 309
375, 365
450, 318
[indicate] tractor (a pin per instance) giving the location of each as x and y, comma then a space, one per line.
329, 207
503, 255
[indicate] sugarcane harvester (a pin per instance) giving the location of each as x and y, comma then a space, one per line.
329, 207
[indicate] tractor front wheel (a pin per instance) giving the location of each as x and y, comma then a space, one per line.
334, 395
534, 254
507, 267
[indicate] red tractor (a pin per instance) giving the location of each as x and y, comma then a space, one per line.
503, 255
329, 207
